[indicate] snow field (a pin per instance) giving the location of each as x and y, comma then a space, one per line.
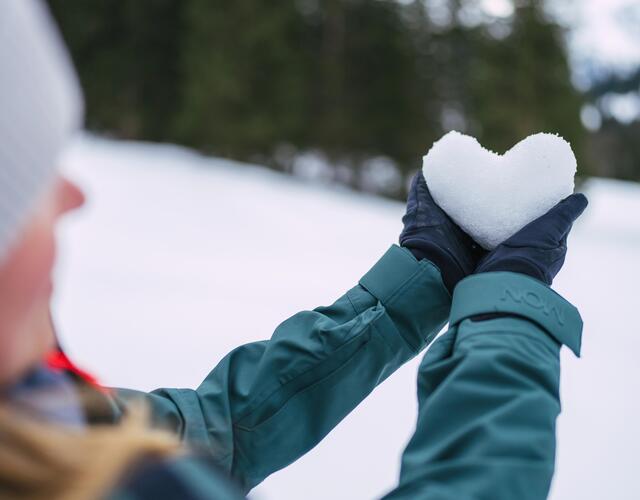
178, 258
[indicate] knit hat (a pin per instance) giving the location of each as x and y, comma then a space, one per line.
40, 108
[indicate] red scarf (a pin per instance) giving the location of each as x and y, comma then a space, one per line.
58, 361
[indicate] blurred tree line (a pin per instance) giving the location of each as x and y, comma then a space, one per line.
614, 146
366, 86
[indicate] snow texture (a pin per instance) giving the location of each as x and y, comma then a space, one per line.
162, 252
492, 196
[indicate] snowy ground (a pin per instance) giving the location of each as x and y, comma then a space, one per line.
155, 274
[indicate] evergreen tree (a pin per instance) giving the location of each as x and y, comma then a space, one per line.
521, 84
370, 99
615, 150
353, 79
245, 85
127, 57
614, 146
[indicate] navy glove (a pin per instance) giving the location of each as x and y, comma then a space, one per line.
430, 234
539, 248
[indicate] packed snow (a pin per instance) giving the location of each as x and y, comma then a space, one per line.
156, 272
492, 196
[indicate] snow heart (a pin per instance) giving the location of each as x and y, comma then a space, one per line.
492, 196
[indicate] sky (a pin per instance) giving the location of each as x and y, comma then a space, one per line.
603, 33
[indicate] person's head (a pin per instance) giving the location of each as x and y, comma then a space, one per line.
40, 108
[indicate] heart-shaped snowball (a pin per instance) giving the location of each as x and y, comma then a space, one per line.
492, 196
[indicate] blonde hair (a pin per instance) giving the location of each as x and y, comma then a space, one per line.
40, 460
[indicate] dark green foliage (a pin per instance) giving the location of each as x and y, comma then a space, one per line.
521, 84
127, 54
615, 150
509, 87
354, 79
339, 77
368, 96
246, 69
615, 147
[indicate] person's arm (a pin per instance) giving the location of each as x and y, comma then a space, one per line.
488, 394
267, 403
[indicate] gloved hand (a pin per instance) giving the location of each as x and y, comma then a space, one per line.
539, 248
430, 234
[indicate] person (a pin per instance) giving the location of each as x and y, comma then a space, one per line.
487, 388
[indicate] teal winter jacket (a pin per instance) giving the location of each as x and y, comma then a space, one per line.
487, 390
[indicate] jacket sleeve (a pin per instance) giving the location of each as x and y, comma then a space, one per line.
488, 394
267, 403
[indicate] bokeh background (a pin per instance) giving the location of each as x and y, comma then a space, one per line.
258, 152
354, 91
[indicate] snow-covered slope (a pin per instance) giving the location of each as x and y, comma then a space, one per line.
156, 272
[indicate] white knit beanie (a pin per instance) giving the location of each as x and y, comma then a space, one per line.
40, 109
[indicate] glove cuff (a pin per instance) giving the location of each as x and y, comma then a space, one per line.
521, 295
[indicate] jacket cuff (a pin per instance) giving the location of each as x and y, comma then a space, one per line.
518, 294
412, 292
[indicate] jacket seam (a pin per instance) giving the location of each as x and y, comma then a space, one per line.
390, 301
392, 296
355, 310
258, 474
269, 393
306, 387
394, 291
380, 334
